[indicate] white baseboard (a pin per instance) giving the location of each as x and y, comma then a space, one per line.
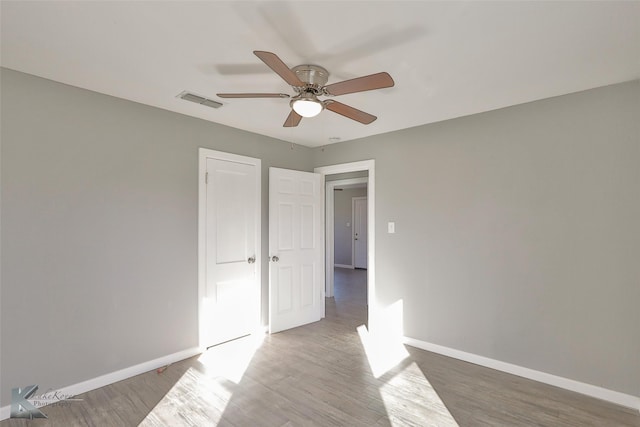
344, 266
587, 389
113, 377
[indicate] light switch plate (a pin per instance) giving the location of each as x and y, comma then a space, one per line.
391, 227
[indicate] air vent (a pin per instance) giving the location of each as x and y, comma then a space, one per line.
187, 96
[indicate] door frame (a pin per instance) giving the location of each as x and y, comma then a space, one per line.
363, 165
330, 226
203, 155
353, 227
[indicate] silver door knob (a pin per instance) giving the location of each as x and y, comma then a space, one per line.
251, 260
275, 258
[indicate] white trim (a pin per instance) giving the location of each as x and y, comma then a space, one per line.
344, 266
364, 165
345, 167
114, 377
329, 227
579, 387
203, 155
323, 242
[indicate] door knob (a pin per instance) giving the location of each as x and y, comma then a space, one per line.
251, 260
275, 258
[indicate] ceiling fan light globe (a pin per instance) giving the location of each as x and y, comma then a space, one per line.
307, 108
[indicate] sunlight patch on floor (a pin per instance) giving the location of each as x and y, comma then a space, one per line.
399, 396
383, 342
195, 399
231, 360
202, 393
383, 351
402, 378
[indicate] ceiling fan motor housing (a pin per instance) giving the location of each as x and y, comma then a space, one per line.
314, 77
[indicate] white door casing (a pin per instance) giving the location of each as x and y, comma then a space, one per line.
359, 221
229, 288
296, 241
369, 166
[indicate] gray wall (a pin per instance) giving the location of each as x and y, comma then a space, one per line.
99, 229
516, 231
517, 234
343, 233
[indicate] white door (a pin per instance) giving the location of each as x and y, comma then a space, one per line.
231, 306
359, 232
296, 240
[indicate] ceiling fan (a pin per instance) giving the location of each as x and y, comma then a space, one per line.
308, 81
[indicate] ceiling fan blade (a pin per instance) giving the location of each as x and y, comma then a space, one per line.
349, 112
360, 84
276, 64
252, 95
293, 119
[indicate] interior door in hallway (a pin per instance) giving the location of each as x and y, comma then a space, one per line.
296, 240
232, 290
359, 232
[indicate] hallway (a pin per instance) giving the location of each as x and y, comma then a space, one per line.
350, 297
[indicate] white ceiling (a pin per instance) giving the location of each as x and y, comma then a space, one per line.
448, 59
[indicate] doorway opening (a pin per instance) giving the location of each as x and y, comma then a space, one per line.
349, 214
340, 235
362, 172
